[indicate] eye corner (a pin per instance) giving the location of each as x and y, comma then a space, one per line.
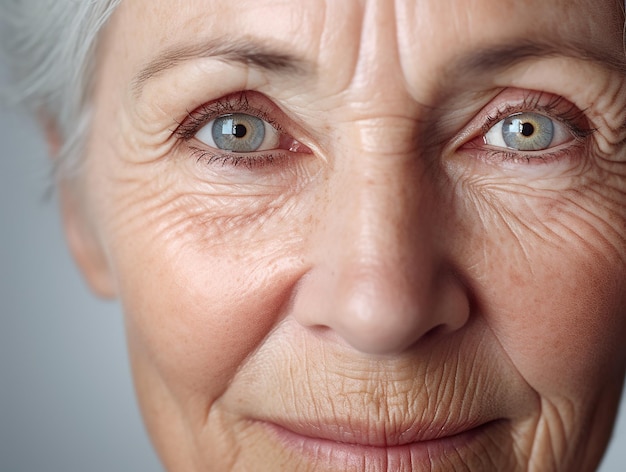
186, 129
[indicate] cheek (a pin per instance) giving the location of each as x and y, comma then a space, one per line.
563, 326
549, 275
198, 324
201, 288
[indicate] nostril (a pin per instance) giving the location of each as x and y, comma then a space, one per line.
378, 314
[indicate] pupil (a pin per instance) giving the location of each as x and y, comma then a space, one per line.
239, 131
528, 129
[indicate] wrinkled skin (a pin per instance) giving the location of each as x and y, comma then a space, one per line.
391, 276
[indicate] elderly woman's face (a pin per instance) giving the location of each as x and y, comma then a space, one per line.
364, 235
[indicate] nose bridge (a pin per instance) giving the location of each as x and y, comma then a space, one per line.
376, 279
384, 234
382, 180
382, 228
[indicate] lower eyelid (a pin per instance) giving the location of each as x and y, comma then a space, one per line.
258, 159
231, 159
560, 154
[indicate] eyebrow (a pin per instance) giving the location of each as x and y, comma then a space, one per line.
238, 51
262, 57
500, 57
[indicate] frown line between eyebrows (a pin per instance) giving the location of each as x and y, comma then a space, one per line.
243, 52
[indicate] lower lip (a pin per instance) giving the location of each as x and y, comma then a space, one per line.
352, 456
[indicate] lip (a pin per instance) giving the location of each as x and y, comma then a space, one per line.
376, 436
343, 444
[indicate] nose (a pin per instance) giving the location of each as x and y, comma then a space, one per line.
379, 277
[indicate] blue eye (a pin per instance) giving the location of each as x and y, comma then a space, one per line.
239, 132
527, 132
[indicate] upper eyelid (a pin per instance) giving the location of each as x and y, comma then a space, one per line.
549, 110
234, 103
575, 131
514, 100
555, 107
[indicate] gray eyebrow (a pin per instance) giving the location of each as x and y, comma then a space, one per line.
485, 60
238, 51
500, 57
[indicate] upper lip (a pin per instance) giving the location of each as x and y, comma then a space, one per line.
380, 434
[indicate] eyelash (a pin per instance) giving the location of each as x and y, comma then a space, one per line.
236, 103
557, 108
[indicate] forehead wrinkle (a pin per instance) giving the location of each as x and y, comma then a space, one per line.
246, 52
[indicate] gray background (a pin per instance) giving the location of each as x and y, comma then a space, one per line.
66, 399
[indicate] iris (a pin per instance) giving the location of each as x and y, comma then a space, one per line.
238, 132
528, 132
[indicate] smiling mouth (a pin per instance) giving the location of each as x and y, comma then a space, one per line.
345, 444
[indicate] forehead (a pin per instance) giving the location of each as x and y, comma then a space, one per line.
348, 42
321, 30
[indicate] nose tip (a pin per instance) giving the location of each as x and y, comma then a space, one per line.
377, 323
375, 313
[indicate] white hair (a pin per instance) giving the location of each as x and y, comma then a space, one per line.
50, 46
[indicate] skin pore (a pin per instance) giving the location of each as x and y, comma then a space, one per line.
382, 287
